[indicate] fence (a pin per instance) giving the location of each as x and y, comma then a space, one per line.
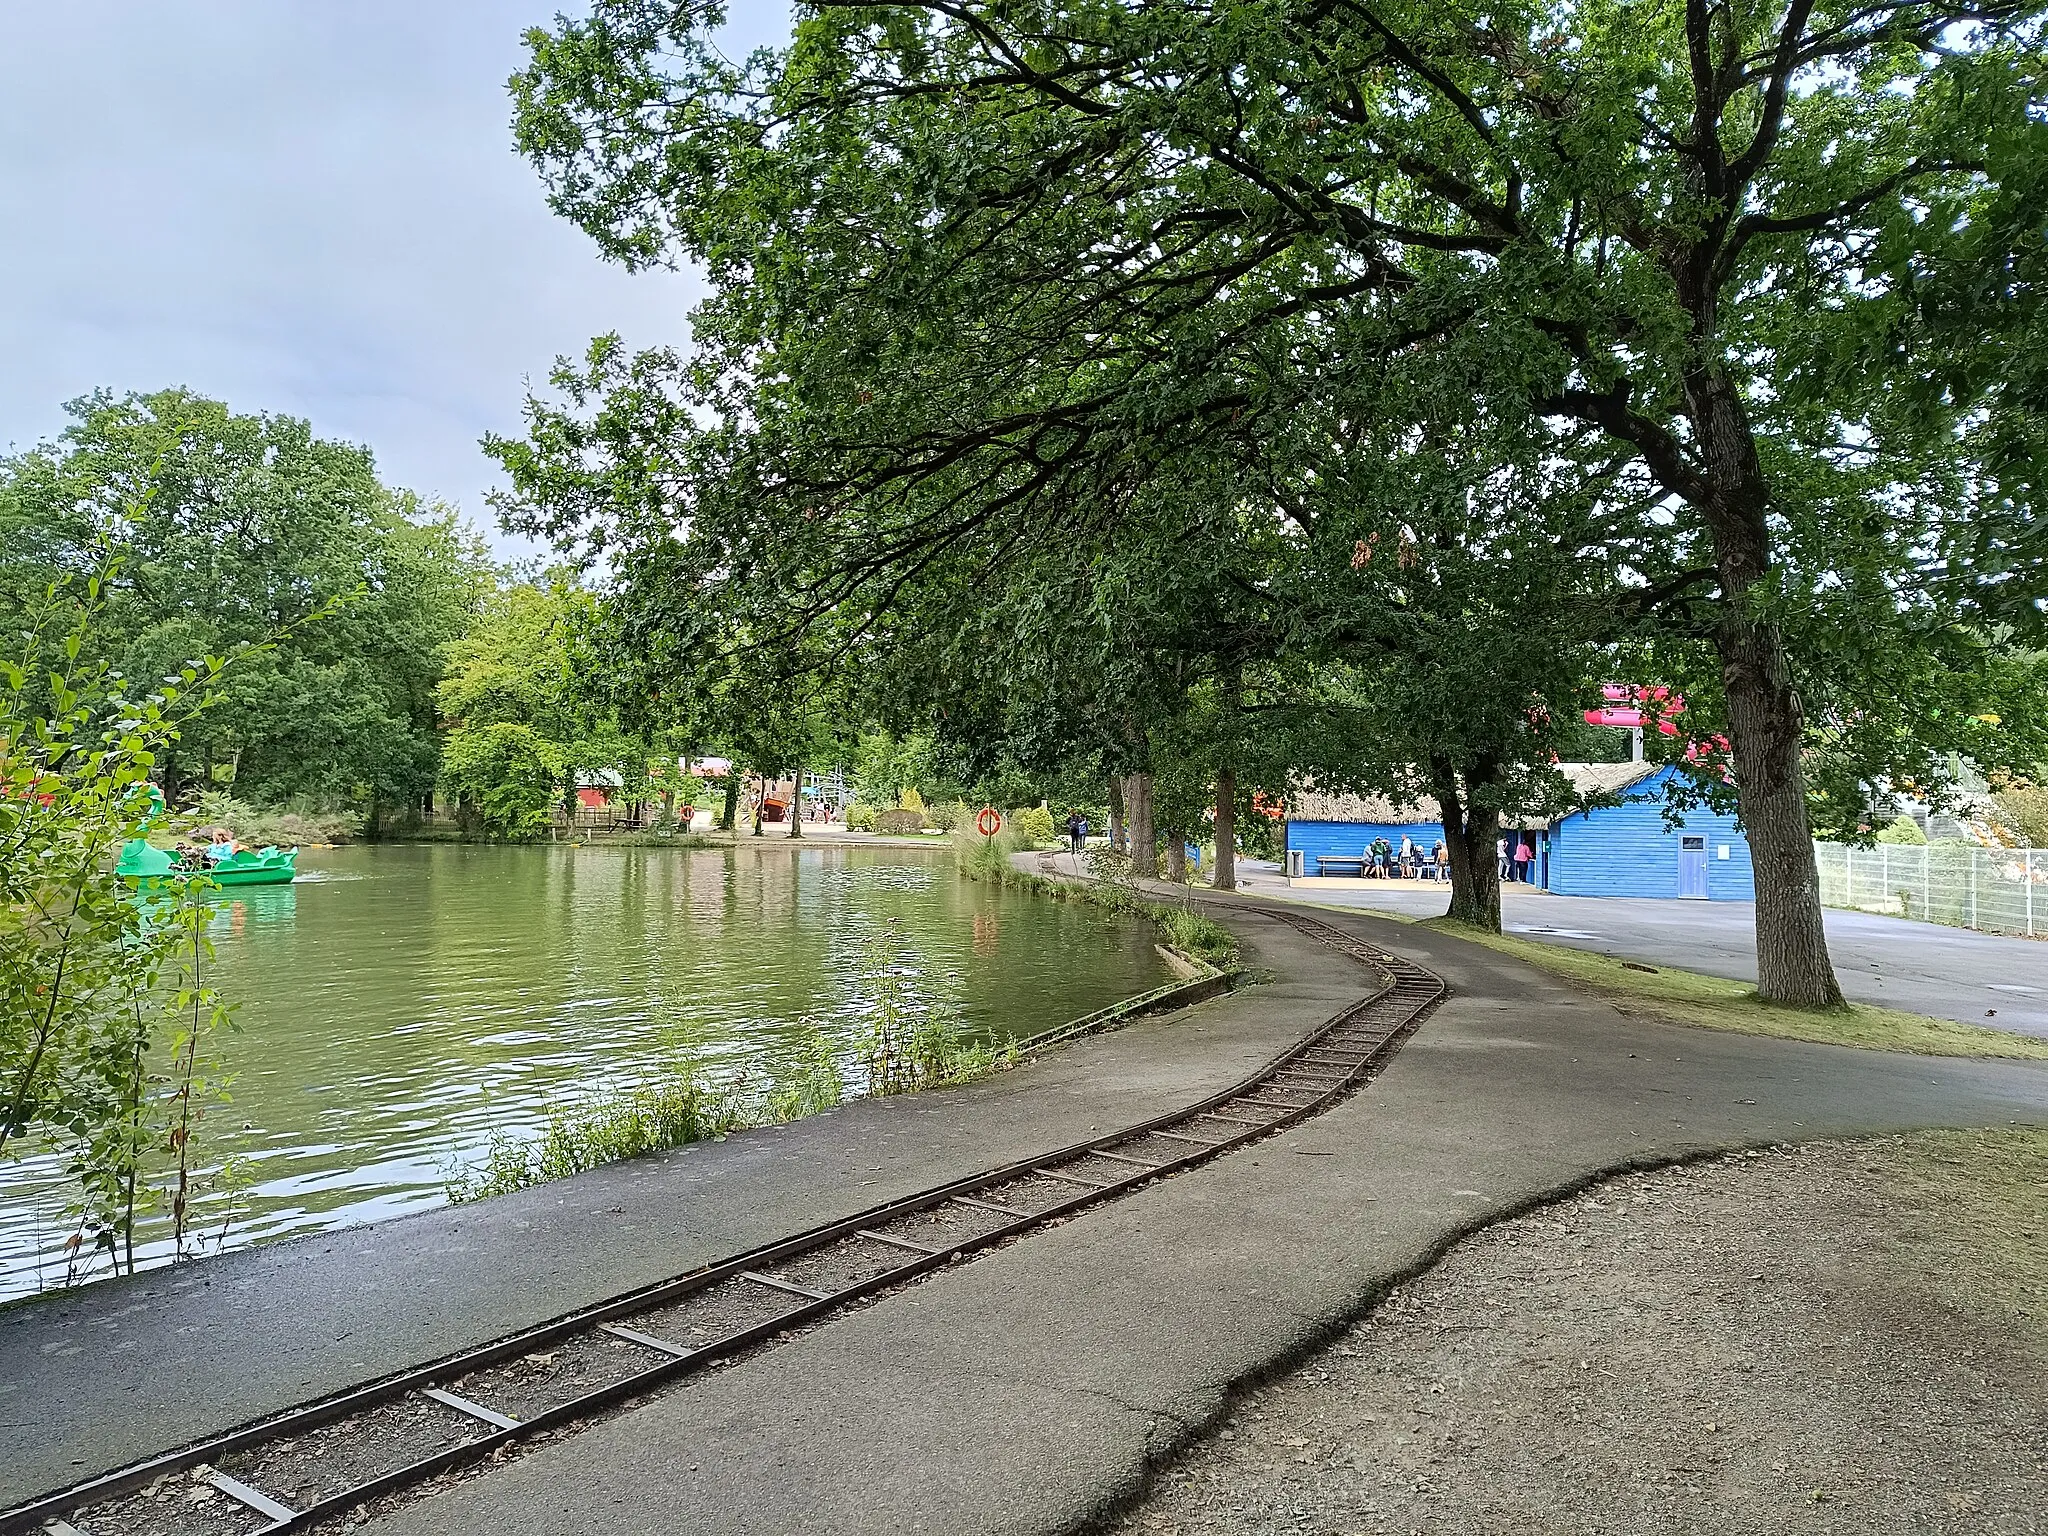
1994, 890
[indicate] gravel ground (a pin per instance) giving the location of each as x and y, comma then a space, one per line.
1838, 1338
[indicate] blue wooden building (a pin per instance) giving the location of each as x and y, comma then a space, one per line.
1339, 828
1610, 850
1627, 850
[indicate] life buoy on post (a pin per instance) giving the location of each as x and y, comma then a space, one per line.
989, 822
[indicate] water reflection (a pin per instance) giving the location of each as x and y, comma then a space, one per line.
398, 1005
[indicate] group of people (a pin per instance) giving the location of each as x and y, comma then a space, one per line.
1515, 857
1409, 862
1077, 832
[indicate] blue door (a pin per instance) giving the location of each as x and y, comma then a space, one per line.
1692, 868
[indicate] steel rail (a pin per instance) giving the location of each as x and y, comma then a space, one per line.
1366, 1033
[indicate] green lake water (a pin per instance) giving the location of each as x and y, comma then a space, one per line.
396, 1006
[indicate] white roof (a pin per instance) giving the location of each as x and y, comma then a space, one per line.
1586, 779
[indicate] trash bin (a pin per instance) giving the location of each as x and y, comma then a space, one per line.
1296, 863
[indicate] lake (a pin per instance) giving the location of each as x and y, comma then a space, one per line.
397, 1005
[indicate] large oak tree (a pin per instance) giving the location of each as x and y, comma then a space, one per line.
983, 267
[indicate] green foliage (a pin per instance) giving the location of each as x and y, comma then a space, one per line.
1032, 827
1193, 934
509, 774
251, 527
809, 1086
948, 814
860, 818
2023, 807
1904, 830
671, 1109
910, 1043
259, 825
1209, 339
885, 768
1108, 887
94, 981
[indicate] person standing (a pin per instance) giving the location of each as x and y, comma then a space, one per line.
1524, 855
1407, 857
1442, 859
1077, 829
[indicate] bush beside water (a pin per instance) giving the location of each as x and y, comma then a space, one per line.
260, 826
906, 1046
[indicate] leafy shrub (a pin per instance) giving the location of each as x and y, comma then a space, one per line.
1032, 826
1192, 934
948, 814
1904, 830
860, 818
911, 801
897, 822
509, 773
258, 826
2023, 808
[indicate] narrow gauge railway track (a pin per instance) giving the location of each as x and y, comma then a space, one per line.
315, 1463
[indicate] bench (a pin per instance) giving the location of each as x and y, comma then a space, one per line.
1347, 863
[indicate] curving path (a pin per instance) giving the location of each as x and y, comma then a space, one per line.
1031, 1389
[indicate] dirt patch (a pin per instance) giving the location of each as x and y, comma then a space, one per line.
1847, 1338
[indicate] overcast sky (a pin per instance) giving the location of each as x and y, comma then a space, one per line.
300, 206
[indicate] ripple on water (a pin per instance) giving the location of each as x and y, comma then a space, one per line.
398, 1006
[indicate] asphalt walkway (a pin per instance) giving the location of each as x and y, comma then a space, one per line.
1946, 973
127, 1368
1028, 1390
1031, 1390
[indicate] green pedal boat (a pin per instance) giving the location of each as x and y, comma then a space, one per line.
147, 864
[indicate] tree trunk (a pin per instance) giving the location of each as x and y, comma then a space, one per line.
1176, 856
1116, 816
1225, 876
796, 801
1792, 961
1764, 714
1232, 690
729, 818
1472, 838
1138, 826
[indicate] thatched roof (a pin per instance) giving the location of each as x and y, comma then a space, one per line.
1314, 805
1310, 804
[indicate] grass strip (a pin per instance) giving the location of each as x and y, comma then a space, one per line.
1714, 1002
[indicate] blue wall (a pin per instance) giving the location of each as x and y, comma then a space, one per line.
1624, 850
1352, 838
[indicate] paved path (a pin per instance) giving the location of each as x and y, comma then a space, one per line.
1948, 973
1029, 1391
1025, 1391
130, 1367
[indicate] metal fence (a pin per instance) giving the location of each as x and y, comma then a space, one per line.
1994, 890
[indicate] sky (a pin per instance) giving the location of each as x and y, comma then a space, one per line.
298, 206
